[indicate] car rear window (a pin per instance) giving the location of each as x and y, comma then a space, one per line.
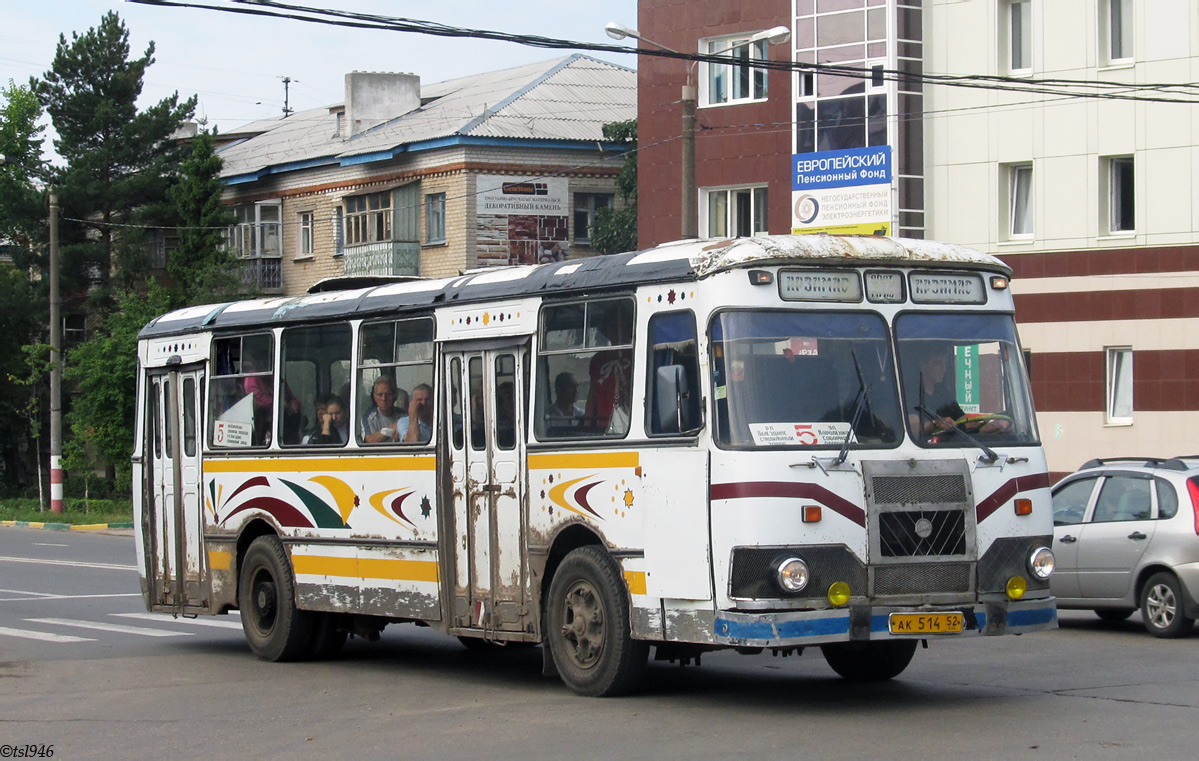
1167, 499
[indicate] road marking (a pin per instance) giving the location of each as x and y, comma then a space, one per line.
217, 623
140, 630
48, 544
43, 636
73, 563
40, 596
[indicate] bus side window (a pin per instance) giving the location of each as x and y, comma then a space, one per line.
674, 389
242, 391
310, 386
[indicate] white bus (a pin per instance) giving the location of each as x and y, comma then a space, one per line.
764, 443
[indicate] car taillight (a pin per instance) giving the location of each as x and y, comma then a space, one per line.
1193, 490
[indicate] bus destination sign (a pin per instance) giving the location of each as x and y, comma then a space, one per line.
947, 288
820, 285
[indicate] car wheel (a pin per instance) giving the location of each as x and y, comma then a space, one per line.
1114, 614
869, 661
1161, 606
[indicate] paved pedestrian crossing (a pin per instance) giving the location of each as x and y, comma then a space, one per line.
78, 630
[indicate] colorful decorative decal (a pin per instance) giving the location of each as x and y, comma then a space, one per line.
557, 495
255, 481
425, 507
322, 514
343, 495
790, 490
1008, 491
278, 509
393, 511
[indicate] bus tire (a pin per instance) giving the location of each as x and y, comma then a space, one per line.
588, 629
275, 628
869, 661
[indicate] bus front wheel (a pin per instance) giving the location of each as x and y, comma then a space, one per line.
588, 631
869, 661
275, 628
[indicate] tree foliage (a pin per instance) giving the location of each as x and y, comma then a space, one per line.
120, 161
202, 269
103, 370
615, 229
22, 207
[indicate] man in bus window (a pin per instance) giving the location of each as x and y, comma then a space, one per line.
421, 410
379, 425
566, 409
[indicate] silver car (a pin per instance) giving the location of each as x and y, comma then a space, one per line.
1126, 536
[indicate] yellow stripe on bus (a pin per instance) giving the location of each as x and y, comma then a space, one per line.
636, 581
220, 560
320, 464
589, 460
367, 568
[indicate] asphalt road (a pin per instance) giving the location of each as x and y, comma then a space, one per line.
126, 686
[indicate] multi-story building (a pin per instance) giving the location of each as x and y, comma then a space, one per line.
1068, 146
507, 167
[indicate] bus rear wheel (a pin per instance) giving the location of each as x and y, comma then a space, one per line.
869, 661
588, 630
275, 628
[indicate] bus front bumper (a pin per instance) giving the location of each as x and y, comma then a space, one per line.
865, 622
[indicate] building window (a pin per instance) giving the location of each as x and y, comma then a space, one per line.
435, 218
739, 212
1018, 28
1119, 385
304, 232
255, 232
586, 205
735, 82
1117, 28
1020, 206
368, 219
1121, 200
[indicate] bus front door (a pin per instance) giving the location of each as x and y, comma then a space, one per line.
176, 568
485, 401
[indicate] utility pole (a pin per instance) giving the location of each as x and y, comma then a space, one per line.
286, 95
56, 475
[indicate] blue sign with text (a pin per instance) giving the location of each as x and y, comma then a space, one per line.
841, 169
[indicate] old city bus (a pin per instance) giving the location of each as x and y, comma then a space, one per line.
762, 444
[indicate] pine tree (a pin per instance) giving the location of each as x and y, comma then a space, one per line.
202, 269
120, 161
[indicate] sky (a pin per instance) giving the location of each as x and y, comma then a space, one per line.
236, 63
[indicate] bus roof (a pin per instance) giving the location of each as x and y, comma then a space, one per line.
679, 261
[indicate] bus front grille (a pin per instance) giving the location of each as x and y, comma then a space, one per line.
920, 579
949, 488
922, 533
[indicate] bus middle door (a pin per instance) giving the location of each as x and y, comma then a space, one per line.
488, 476
177, 572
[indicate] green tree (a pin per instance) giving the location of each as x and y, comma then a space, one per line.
103, 370
22, 206
120, 161
615, 229
202, 269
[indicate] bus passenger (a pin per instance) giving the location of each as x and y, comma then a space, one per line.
566, 409
333, 421
379, 425
420, 409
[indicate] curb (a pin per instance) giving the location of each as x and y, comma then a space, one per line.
65, 526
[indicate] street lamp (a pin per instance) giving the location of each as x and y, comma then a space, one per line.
774, 36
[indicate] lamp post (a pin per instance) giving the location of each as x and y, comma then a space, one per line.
688, 213
56, 474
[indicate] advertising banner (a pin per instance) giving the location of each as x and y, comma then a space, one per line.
845, 192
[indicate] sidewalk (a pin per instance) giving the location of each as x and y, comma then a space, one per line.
67, 526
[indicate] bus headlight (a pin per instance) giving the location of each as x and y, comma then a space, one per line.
791, 574
1041, 563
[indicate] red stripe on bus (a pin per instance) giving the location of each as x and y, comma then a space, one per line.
788, 490
986, 507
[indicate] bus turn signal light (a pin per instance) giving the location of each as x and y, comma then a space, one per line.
1024, 507
812, 514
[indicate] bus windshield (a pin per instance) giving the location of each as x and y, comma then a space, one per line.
964, 381
804, 380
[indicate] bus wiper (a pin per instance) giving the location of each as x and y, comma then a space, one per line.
988, 454
858, 406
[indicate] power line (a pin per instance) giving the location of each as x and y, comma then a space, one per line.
1100, 89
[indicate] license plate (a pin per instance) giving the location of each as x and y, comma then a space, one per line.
926, 623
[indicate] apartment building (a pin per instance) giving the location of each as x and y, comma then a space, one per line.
405, 179
1059, 135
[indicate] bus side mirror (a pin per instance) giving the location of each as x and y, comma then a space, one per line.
672, 398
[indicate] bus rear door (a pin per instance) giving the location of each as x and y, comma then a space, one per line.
485, 401
176, 567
